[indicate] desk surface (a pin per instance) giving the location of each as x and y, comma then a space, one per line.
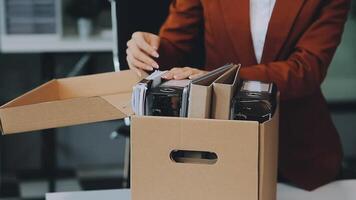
123, 194
343, 190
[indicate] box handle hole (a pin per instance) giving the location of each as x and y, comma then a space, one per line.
194, 157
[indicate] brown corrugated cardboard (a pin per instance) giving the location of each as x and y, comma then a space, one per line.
245, 168
70, 101
268, 161
224, 88
156, 176
200, 93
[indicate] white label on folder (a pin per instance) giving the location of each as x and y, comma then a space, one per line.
256, 86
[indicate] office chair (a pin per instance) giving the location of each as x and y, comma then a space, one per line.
129, 16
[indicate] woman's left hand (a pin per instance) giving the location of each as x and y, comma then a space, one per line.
179, 73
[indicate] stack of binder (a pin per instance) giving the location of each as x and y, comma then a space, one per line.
179, 98
140, 91
218, 94
201, 91
155, 97
168, 99
254, 101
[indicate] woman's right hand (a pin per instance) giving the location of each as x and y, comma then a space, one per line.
141, 51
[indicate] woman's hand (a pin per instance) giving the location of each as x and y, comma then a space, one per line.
180, 73
142, 48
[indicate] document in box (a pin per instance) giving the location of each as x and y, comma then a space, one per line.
223, 90
211, 76
140, 90
168, 99
200, 93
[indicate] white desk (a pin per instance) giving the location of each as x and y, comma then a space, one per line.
339, 190
91, 195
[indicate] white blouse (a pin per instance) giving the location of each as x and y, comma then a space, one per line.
260, 15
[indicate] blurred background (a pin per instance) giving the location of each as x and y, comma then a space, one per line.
45, 39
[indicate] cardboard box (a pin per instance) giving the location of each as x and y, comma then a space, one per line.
70, 101
245, 167
245, 162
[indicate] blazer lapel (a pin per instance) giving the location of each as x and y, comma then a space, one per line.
237, 19
282, 20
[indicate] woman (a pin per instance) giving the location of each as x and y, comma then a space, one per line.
289, 42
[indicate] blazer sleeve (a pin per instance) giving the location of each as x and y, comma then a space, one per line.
305, 69
181, 35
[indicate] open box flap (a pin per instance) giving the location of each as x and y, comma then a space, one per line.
71, 101
44, 93
81, 86
57, 114
122, 102
98, 84
1, 129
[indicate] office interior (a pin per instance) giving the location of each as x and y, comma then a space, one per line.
45, 39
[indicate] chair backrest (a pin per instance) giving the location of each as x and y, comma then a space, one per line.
136, 15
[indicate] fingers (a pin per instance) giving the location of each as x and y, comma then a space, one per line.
142, 41
197, 75
183, 73
170, 74
141, 48
137, 71
139, 55
134, 63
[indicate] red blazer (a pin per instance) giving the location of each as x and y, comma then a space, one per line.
301, 41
